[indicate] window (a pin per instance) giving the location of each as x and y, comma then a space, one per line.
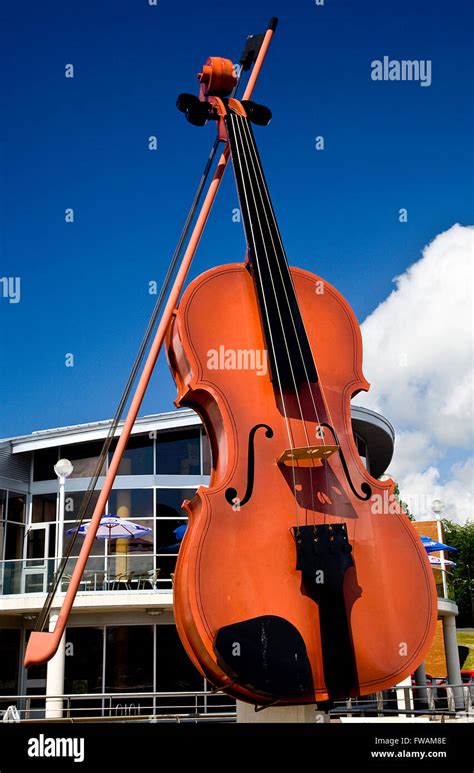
131, 503
129, 658
3, 514
12, 534
44, 461
84, 458
72, 505
9, 662
362, 449
83, 661
16, 507
44, 508
174, 670
206, 454
137, 458
169, 501
178, 453
134, 545
14, 541
169, 535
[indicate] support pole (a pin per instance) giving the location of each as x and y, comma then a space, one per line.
282, 714
55, 676
452, 659
421, 694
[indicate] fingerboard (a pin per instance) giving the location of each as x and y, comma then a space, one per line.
290, 356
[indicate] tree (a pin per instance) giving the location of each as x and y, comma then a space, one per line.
396, 494
462, 575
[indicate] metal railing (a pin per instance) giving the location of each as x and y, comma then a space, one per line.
103, 573
136, 706
432, 700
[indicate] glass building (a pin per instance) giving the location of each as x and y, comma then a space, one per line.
121, 654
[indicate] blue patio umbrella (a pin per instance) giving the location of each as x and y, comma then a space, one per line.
179, 531
112, 527
431, 546
179, 534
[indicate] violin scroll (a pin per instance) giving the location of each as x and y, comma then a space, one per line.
217, 78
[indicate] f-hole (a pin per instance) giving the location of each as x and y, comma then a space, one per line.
231, 493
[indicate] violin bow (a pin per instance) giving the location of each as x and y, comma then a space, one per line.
42, 645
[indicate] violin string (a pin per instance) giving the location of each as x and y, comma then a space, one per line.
269, 208
239, 123
320, 385
244, 123
251, 235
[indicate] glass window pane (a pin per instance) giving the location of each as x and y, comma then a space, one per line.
129, 658
44, 508
43, 465
35, 543
138, 456
178, 453
134, 544
72, 505
98, 546
16, 507
84, 458
165, 565
174, 670
169, 535
83, 661
3, 514
169, 501
206, 454
9, 662
362, 449
131, 503
14, 541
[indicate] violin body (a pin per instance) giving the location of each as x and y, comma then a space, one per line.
350, 620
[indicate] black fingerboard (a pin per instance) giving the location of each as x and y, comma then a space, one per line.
290, 356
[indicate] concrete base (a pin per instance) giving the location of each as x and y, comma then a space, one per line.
281, 714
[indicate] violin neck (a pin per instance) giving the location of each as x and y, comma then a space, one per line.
289, 352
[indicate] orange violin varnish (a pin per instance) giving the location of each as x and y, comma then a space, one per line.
239, 563
293, 583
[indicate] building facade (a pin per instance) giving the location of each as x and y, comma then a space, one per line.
121, 654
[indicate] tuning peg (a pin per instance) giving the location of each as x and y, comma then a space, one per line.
258, 114
185, 101
196, 112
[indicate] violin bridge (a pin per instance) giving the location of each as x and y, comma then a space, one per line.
308, 456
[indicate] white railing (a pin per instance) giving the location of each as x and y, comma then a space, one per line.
144, 706
102, 573
431, 700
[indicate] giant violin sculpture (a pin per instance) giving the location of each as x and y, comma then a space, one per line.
288, 587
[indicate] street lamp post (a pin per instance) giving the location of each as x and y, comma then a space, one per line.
55, 667
437, 508
63, 470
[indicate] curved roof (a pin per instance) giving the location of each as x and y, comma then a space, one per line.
379, 435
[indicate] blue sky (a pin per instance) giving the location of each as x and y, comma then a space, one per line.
82, 143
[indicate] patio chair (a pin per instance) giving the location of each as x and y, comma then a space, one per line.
149, 579
122, 579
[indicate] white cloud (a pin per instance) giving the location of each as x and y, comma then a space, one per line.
418, 356
419, 489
